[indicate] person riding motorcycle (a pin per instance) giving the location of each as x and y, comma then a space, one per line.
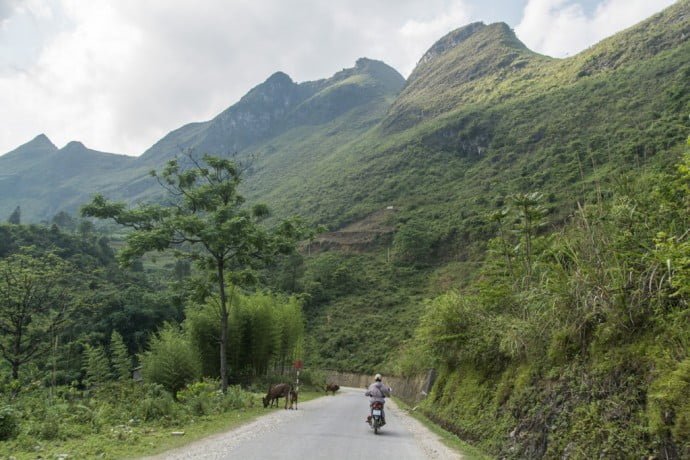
378, 392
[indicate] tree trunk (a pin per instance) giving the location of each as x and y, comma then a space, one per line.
223, 330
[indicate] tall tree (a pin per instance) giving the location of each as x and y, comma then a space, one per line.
531, 218
122, 363
64, 220
96, 365
207, 213
16, 216
35, 302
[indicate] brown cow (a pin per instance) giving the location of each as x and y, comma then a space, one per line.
332, 387
281, 390
293, 398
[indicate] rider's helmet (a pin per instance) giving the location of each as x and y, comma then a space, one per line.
377, 377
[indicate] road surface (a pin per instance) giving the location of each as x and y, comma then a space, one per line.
331, 427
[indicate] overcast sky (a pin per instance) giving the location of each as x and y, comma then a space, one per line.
120, 74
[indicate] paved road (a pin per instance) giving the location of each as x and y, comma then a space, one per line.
330, 428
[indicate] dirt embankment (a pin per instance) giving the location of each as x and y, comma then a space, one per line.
376, 229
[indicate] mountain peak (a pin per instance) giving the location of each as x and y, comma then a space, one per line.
41, 141
378, 72
73, 145
451, 71
498, 33
451, 40
364, 62
39, 145
275, 87
279, 78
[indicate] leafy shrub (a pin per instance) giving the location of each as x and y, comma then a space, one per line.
172, 361
237, 398
157, 404
201, 398
669, 405
50, 428
100, 416
414, 242
204, 398
47, 425
9, 424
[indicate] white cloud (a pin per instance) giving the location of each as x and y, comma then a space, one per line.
561, 27
120, 75
7, 9
418, 36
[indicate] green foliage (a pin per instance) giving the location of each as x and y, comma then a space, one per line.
205, 398
414, 242
35, 302
265, 333
64, 221
102, 297
456, 330
9, 424
586, 332
96, 365
113, 420
157, 403
171, 361
359, 323
561, 329
209, 215
669, 405
119, 356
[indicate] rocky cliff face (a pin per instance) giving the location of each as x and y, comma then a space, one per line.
450, 41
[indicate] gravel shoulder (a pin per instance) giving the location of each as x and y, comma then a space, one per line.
427, 440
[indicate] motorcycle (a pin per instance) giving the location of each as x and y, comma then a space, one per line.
376, 420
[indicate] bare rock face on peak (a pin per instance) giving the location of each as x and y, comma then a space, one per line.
450, 41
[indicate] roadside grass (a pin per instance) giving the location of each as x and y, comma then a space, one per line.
131, 441
468, 451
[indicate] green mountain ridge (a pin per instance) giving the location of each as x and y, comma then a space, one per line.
276, 107
39, 176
